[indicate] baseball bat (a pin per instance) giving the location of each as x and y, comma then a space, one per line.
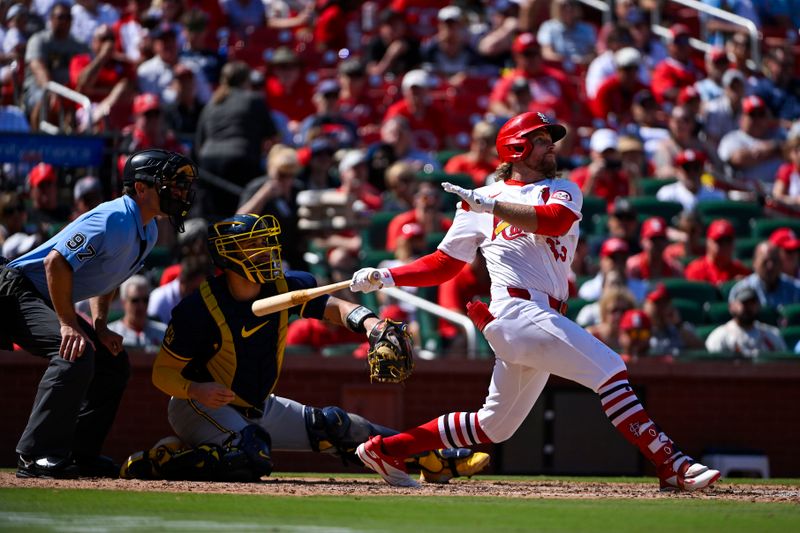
279, 302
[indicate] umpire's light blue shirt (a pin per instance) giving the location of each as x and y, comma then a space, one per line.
104, 246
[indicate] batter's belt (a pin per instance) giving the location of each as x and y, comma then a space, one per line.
558, 305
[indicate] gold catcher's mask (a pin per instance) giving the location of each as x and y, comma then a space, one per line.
247, 245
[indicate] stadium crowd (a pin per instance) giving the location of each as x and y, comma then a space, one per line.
340, 118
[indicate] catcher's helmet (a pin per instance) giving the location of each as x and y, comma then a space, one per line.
512, 143
173, 176
247, 245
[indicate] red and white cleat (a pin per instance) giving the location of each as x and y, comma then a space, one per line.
391, 469
689, 477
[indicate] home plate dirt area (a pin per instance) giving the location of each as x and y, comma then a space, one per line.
339, 485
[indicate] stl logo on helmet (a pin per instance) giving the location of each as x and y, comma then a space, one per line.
543, 117
506, 230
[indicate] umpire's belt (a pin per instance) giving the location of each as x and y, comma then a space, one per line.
248, 412
558, 305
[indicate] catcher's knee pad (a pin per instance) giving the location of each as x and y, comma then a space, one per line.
250, 458
201, 463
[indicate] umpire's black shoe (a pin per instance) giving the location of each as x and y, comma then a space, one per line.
99, 466
46, 467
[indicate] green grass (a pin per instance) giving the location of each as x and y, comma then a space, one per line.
91, 510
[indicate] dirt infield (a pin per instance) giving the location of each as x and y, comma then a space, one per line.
338, 485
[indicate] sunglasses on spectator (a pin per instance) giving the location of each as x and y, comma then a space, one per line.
153, 113
638, 334
139, 300
617, 310
62, 16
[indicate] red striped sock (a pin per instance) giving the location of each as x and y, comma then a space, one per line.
454, 430
625, 411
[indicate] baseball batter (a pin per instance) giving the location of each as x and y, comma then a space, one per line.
526, 226
220, 363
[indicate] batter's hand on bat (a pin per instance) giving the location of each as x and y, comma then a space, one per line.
211, 394
371, 279
474, 201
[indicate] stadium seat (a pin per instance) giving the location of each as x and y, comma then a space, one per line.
372, 258
788, 355
592, 208
763, 227
432, 240
697, 291
726, 287
650, 186
705, 355
690, 310
652, 207
745, 246
374, 236
738, 213
769, 315
717, 313
704, 331
791, 334
444, 156
791, 314
340, 350
574, 305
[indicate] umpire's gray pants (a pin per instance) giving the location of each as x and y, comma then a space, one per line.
283, 419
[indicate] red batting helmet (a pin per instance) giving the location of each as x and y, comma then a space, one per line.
512, 143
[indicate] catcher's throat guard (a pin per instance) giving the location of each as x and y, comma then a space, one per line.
391, 354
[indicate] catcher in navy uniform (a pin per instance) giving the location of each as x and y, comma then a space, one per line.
220, 364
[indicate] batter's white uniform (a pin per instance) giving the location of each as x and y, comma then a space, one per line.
531, 340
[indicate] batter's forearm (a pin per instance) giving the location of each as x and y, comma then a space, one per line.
518, 215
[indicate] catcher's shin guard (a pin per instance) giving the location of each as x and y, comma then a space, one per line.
250, 459
440, 466
334, 430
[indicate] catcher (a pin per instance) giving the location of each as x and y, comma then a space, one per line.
220, 364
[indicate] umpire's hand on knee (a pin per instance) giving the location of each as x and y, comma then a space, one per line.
73, 341
479, 313
211, 394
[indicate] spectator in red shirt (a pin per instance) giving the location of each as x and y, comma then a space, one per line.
787, 182
676, 71
789, 247
551, 92
689, 236
481, 160
718, 265
669, 332
286, 87
454, 294
612, 103
426, 213
330, 27
104, 79
604, 176
426, 118
651, 262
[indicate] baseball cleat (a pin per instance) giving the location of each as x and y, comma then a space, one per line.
440, 466
391, 469
688, 478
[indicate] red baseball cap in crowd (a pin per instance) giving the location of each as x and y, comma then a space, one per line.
720, 229
716, 54
785, 238
41, 173
614, 245
688, 94
411, 229
635, 319
679, 30
653, 228
690, 156
524, 42
145, 102
658, 294
752, 103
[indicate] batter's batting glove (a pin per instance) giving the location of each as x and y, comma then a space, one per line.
474, 201
479, 313
371, 279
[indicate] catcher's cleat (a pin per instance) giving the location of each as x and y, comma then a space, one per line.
391, 469
440, 466
689, 477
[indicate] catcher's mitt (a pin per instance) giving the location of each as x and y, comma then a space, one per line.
390, 356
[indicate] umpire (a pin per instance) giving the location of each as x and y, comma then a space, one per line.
80, 391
